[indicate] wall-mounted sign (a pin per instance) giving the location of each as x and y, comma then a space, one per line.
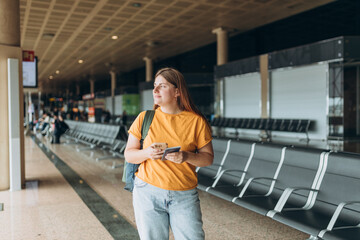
88, 96
29, 65
99, 103
91, 114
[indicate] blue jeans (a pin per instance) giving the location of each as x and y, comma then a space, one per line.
157, 209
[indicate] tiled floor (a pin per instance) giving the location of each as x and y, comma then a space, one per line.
50, 208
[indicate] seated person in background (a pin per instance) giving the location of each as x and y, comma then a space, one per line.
45, 123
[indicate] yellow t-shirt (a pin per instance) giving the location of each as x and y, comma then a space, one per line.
187, 130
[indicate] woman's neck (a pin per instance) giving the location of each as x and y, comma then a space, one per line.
170, 109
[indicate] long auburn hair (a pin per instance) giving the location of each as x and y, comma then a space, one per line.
184, 101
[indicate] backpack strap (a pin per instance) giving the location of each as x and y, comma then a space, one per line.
149, 115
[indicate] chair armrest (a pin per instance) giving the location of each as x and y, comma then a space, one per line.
247, 184
214, 164
222, 173
284, 198
335, 216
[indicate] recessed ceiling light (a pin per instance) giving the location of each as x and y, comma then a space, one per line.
51, 77
152, 43
136, 4
48, 35
114, 37
80, 61
57, 71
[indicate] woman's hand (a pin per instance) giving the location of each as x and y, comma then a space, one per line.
203, 157
134, 155
177, 157
153, 152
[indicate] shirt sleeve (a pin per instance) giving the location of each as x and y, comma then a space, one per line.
204, 134
135, 128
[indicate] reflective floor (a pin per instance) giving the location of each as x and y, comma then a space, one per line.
69, 195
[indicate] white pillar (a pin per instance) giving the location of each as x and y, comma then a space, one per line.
10, 49
222, 45
14, 124
149, 68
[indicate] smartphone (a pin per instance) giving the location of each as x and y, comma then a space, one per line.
170, 150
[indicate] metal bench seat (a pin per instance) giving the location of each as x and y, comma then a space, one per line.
239, 156
265, 124
340, 184
264, 162
207, 175
299, 169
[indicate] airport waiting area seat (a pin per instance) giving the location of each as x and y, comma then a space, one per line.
267, 125
312, 190
109, 138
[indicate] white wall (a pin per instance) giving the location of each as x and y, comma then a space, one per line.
242, 96
118, 104
242, 100
301, 93
147, 100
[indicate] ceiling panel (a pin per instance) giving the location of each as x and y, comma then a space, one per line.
63, 31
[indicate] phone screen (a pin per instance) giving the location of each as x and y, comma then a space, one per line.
170, 150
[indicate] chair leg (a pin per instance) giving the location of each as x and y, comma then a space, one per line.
312, 238
116, 165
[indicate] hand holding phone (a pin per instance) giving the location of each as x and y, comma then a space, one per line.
170, 150
156, 150
160, 146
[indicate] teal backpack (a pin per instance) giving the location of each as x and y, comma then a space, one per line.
129, 168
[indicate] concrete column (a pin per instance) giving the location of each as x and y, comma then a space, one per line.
10, 49
67, 95
264, 75
77, 89
222, 45
113, 87
92, 85
10, 23
149, 68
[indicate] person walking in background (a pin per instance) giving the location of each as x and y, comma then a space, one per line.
59, 128
124, 118
107, 116
165, 193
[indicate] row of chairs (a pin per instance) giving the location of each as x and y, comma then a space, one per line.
312, 190
266, 124
110, 138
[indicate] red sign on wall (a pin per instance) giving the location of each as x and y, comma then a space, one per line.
91, 111
28, 56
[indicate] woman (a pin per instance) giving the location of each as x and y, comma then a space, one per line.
165, 191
